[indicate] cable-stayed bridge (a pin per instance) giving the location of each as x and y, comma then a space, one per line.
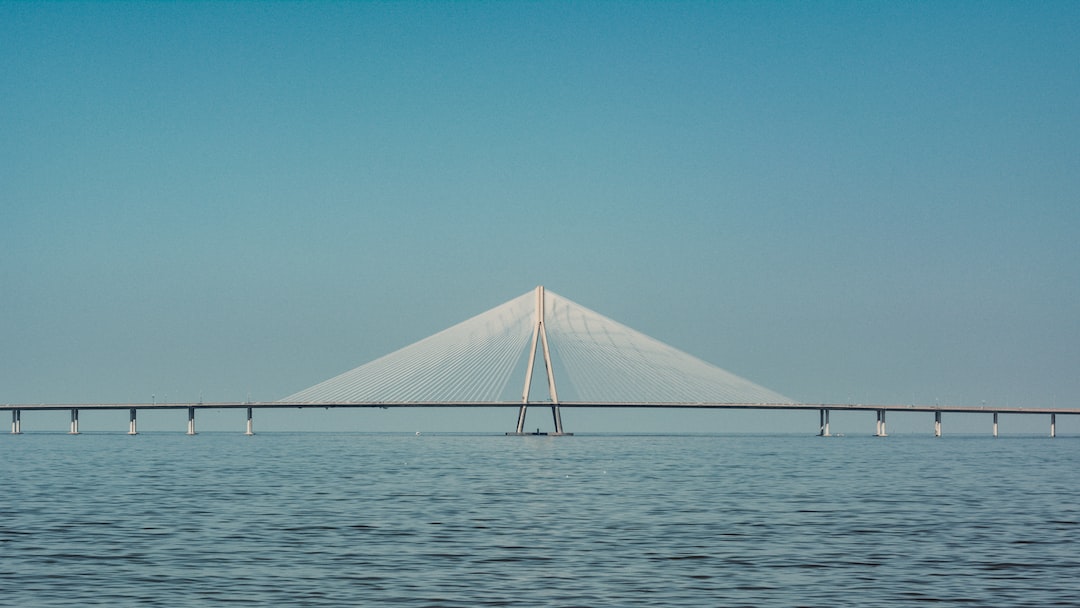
542, 339
590, 358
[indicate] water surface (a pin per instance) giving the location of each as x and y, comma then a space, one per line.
320, 519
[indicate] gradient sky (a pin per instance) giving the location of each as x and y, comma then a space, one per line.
869, 202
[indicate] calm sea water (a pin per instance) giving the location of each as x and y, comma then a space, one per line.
163, 519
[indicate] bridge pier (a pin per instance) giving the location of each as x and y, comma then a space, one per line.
74, 422
937, 424
249, 425
995, 424
823, 415
16, 422
190, 421
520, 427
880, 432
132, 430
557, 417
1053, 425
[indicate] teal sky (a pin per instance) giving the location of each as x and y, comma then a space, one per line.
870, 202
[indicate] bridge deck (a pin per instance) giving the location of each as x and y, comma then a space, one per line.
823, 408
389, 404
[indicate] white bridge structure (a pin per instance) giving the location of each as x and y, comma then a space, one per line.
593, 360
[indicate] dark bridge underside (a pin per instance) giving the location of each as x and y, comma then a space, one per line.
571, 404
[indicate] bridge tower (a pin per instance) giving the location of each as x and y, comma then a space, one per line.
540, 335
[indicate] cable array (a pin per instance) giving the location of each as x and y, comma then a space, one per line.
607, 362
596, 359
470, 362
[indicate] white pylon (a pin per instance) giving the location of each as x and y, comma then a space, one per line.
540, 333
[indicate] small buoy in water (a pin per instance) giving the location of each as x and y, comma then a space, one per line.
417, 433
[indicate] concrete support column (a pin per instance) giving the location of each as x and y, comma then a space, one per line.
937, 424
16, 422
995, 424
521, 416
249, 431
190, 421
881, 424
74, 422
131, 423
558, 419
823, 416
1053, 425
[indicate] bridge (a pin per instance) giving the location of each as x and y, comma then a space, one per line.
599, 363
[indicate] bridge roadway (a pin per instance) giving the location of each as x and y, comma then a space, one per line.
824, 410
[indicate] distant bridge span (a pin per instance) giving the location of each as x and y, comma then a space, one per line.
604, 364
824, 410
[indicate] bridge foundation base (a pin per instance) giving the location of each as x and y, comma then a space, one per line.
539, 434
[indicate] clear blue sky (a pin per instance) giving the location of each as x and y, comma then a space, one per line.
872, 202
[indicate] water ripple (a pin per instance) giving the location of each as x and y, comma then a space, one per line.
331, 520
